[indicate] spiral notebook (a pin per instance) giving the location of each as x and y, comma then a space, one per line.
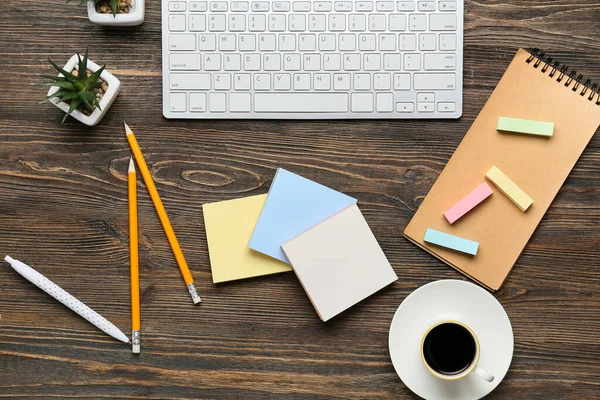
533, 88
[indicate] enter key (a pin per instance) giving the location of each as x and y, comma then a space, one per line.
439, 62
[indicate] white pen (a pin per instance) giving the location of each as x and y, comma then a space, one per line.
65, 298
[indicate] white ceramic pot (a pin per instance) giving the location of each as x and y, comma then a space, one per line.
133, 18
114, 86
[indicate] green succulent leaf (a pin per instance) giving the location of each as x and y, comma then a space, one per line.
67, 75
114, 4
75, 103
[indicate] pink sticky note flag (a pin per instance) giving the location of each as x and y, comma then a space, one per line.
468, 202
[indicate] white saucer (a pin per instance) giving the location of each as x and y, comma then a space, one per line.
450, 299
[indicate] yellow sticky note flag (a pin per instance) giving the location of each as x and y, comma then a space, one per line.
229, 226
509, 188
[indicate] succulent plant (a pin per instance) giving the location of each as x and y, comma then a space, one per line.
114, 4
75, 89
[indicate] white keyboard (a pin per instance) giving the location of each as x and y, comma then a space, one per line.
312, 59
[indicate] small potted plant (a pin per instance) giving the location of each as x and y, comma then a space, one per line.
115, 12
82, 89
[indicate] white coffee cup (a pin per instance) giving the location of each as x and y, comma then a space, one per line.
450, 350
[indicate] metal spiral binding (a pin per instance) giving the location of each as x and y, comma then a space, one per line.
564, 74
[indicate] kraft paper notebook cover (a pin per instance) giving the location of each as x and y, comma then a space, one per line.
339, 262
229, 225
530, 89
294, 204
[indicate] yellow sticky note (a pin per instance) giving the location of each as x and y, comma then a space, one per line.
229, 226
509, 188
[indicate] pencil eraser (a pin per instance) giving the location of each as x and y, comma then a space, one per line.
467, 203
451, 242
135, 348
538, 128
509, 188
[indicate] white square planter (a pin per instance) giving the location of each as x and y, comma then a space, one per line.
114, 86
133, 18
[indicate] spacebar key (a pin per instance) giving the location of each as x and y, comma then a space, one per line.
300, 102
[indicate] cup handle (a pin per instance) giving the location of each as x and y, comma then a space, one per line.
483, 374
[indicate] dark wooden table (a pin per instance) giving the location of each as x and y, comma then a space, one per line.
63, 209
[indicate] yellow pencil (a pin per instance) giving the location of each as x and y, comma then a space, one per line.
162, 214
133, 259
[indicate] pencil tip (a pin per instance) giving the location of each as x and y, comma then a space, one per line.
127, 129
131, 165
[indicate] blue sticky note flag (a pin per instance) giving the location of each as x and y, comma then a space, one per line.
294, 205
451, 241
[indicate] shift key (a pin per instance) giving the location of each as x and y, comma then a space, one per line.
189, 81
435, 81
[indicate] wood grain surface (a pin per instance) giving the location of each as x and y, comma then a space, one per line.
63, 210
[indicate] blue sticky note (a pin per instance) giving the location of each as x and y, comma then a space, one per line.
451, 241
294, 205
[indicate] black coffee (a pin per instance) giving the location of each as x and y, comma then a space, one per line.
449, 348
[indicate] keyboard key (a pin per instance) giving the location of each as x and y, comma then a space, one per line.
237, 22
357, 22
197, 23
387, 42
442, 22
372, 62
307, 42
239, 6
177, 23
337, 22
227, 42
446, 106
262, 81
177, 102
427, 41
448, 41
362, 81
332, 62
189, 81
352, 62
405, 107
401, 81
184, 62
240, 102
207, 42
301, 6
252, 62
362, 102
222, 81
343, 6
260, 6
272, 62
425, 97
397, 22
316, 23
407, 42
405, 6
311, 62
367, 42
382, 82
257, 23
363, 6
287, 42
291, 62
276, 23
301, 81
391, 62
423, 81
182, 42
217, 23
281, 6
385, 6
412, 61
297, 23
417, 22
327, 42
347, 42
217, 102
322, 6
447, 6
198, 6
197, 102
384, 102
426, 5
282, 81
232, 62
247, 42
266, 42
301, 102
218, 6
425, 107
439, 62
341, 81
241, 82
212, 62
377, 22
177, 6
322, 82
